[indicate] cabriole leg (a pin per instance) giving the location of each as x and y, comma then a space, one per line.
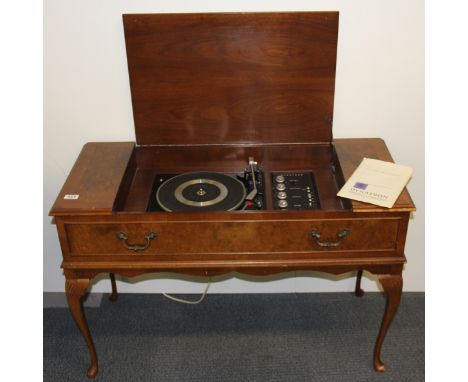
358, 291
75, 289
114, 294
392, 285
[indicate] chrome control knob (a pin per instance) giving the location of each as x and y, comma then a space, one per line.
282, 195
282, 203
280, 179
281, 187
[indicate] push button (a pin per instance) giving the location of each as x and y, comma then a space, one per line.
282, 204
282, 195
280, 179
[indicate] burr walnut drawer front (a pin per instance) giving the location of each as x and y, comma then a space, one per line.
284, 236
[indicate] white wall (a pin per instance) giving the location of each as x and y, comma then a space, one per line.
379, 93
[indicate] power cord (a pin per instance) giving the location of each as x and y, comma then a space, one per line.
187, 301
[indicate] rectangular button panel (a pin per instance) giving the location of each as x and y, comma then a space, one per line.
294, 191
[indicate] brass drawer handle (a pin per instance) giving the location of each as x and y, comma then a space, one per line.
136, 247
341, 235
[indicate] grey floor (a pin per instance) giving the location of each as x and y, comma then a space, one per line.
268, 337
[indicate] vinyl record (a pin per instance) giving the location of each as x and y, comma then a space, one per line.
201, 191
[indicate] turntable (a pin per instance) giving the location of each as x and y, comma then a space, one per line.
209, 191
234, 168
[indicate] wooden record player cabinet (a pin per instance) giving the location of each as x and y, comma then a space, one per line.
208, 91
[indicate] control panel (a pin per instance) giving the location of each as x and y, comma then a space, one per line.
294, 191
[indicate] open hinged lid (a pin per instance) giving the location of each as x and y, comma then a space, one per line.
232, 78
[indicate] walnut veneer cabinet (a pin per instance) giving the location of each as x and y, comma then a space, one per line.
208, 92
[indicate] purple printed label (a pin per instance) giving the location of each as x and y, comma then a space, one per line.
361, 186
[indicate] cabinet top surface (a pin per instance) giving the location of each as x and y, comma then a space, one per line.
232, 78
102, 168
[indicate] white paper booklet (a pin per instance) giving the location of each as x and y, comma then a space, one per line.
376, 182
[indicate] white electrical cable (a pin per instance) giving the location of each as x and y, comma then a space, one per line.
190, 302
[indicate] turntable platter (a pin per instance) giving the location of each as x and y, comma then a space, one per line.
201, 191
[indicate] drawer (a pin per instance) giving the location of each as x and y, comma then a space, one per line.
224, 237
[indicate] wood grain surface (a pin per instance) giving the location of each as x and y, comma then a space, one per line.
224, 238
96, 178
232, 78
